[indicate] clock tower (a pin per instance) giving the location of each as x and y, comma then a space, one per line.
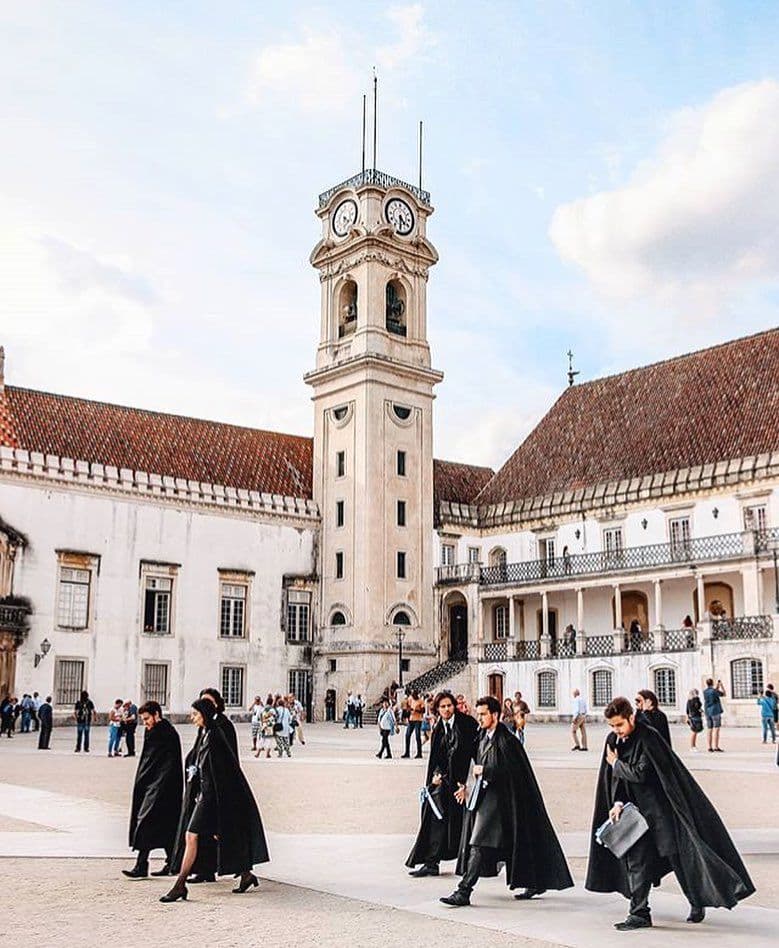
373, 436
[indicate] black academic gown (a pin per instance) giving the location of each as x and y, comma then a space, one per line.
510, 821
156, 804
440, 839
205, 863
656, 719
240, 835
227, 728
685, 829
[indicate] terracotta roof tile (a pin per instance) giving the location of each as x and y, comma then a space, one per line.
458, 483
708, 406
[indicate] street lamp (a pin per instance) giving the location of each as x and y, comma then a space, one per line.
400, 634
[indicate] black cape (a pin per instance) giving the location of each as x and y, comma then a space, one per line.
527, 841
440, 839
656, 719
241, 840
227, 728
205, 862
156, 804
677, 809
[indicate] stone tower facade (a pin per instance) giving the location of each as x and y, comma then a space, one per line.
373, 436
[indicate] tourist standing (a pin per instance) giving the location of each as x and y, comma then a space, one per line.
330, 704
46, 719
386, 722
299, 717
521, 713
156, 801
686, 834
26, 706
712, 708
114, 728
267, 722
84, 711
359, 707
129, 725
256, 711
416, 713
505, 819
7, 718
767, 703
648, 710
694, 712
282, 728
36, 703
579, 721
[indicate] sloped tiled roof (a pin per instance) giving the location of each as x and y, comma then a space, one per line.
458, 483
159, 443
717, 404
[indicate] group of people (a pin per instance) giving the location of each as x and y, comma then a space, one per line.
502, 820
275, 722
205, 819
35, 715
418, 713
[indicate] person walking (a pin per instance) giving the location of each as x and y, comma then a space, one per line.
685, 832
694, 712
129, 725
256, 710
36, 704
648, 710
7, 718
712, 708
299, 717
46, 718
221, 720
114, 728
282, 728
359, 707
225, 810
156, 800
84, 711
578, 721
416, 713
767, 703
348, 710
267, 729
386, 722
521, 713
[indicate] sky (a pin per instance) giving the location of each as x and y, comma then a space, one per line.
603, 176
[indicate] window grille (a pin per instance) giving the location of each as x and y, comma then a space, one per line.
547, 689
73, 598
68, 680
746, 678
233, 611
300, 684
601, 687
665, 687
155, 682
156, 606
232, 685
298, 611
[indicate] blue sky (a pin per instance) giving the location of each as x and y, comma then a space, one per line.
604, 178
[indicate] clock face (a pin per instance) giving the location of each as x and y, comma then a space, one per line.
344, 217
400, 215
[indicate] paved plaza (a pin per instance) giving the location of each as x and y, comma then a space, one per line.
340, 825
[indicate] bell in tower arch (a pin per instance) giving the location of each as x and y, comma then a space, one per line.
396, 308
347, 309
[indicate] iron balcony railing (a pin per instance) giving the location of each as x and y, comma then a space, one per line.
378, 178
13, 618
742, 627
459, 573
766, 541
597, 646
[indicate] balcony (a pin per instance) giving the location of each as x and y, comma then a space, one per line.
458, 573
601, 646
14, 614
742, 627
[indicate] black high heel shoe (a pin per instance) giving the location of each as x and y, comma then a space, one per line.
175, 894
247, 883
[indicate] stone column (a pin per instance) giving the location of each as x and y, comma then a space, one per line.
545, 640
619, 632
580, 638
750, 580
511, 647
659, 624
701, 598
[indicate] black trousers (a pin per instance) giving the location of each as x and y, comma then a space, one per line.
414, 727
385, 744
44, 736
639, 898
473, 869
129, 736
142, 862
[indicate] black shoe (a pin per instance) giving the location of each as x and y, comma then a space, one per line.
632, 922
527, 894
175, 894
456, 899
697, 914
575, 748
405, 756
201, 877
247, 883
165, 871
136, 873
424, 871
418, 757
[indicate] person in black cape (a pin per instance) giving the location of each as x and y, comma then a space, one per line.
224, 723
648, 711
157, 791
505, 819
685, 834
451, 752
225, 810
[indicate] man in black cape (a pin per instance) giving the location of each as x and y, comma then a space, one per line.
506, 820
685, 834
157, 792
451, 751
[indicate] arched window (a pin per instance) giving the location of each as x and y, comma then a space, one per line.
347, 309
401, 618
396, 308
601, 687
746, 678
498, 556
665, 687
501, 622
547, 689
338, 618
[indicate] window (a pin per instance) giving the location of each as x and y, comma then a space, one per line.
401, 571
679, 533
333, 664
401, 513
340, 413
401, 412
405, 664
298, 611
547, 689
612, 542
155, 682
755, 517
401, 618
73, 598
395, 308
156, 605
401, 463
339, 565
232, 685
68, 680
447, 554
232, 611
338, 618
340, 508
474, 554
746, 678
300, 684
665, 687
340, 463
546, 550
501, 623
601, 687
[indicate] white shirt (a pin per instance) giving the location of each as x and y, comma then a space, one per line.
578, 707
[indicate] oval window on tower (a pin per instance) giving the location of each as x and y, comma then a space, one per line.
340, 413
402, 412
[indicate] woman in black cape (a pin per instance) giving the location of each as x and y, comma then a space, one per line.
225, 810
648, 711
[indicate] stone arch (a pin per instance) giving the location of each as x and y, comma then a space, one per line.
717, 596
346, 306
389, 618
337, 608
396, 299
455, 624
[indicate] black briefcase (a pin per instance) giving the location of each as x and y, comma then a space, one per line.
621, 836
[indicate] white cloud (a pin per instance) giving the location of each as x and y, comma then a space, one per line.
413, 36
697, 222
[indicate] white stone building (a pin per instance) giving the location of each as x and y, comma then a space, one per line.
147, 554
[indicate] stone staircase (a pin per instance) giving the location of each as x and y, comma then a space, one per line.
435, 677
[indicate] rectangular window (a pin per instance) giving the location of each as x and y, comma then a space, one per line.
405, 664
232, 685
665, 687
298, 612
755, 517
340, 513
746, 678
501, 622
401, 464
333, 664
73, 598
232, 621
474, 554
447, 554
547, 689
679, 533
339, 565
546, 550
401, 513
401, 565
340, 463
612, 542
155, 682
157, 605
68, 680
300, 684
601, 687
